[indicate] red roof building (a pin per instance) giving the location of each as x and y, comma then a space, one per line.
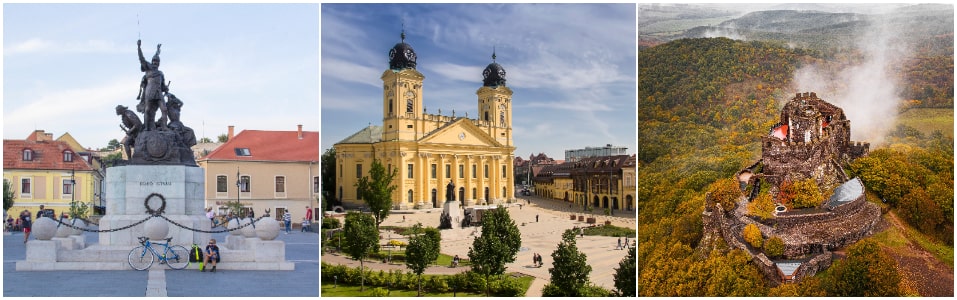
274, 170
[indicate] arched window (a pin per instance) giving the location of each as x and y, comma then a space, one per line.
67, 156
408, 105
410, 196
504, 192
474, 193
390, 107
27, 154
501, 118
486, 116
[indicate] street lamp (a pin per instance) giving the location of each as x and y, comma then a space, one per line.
73, 191
239, 189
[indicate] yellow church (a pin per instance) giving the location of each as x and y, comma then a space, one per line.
432, 150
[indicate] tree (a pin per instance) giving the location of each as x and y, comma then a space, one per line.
570, 269
726, 192
327, 165
376, 189
222, 138
205, 140
113, 145
363, 239
7, 195
762, 207
752, 235
113, 158
774, 247
867, 271
807, 194
497, 245
625, 275
786, 193
422, 250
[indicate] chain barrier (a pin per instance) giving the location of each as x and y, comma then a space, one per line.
155, 213
210, 231
105, 230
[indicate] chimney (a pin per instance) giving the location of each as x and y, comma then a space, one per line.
300, 131
229, 135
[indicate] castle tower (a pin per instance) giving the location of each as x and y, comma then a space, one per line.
401, 94
495, 103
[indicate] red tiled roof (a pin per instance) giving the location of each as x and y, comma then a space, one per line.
47, 155
270, 146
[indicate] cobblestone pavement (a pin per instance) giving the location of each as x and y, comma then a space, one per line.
540, 237
301, 249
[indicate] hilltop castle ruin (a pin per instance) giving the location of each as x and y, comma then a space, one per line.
811, 140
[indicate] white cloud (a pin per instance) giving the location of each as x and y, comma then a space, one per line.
37, 45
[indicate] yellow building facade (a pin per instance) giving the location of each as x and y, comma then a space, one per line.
431, 150
43, 171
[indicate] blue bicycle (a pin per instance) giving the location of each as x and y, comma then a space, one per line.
141, 257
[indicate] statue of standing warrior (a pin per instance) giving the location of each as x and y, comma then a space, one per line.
152, 88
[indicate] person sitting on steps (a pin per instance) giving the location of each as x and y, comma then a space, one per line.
212, 255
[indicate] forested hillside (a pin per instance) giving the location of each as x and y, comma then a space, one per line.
703, 104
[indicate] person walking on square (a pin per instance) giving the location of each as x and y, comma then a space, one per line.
211, 255
210, 215
305, 225
619, 244
287, 218
26, 224
626, 243
536, 218
309, 214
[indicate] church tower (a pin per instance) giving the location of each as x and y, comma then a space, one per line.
495, 103
401, 94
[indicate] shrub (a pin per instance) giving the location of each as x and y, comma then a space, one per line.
507, 287
591, 290
774, 247
379, 292
752, 235
807, 194
762, 207
330, 223
437, 284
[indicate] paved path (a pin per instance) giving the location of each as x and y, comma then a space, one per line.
301, 249
540, 237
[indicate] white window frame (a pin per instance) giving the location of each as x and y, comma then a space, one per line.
216, 189
249, 187
67, 182
29, 181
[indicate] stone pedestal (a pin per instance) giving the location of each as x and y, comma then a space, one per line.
127, 190
452, 209
42, 251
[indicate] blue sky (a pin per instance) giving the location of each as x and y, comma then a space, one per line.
66, 66
571, 67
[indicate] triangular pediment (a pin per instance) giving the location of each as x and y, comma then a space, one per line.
460, 132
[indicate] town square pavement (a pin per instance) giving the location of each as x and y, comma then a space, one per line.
540, 237
301, 249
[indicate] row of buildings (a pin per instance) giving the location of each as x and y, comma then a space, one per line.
590, 181
263, 170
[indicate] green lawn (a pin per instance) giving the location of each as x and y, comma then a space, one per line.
329, 290
926, 120
610, 230
398, 257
